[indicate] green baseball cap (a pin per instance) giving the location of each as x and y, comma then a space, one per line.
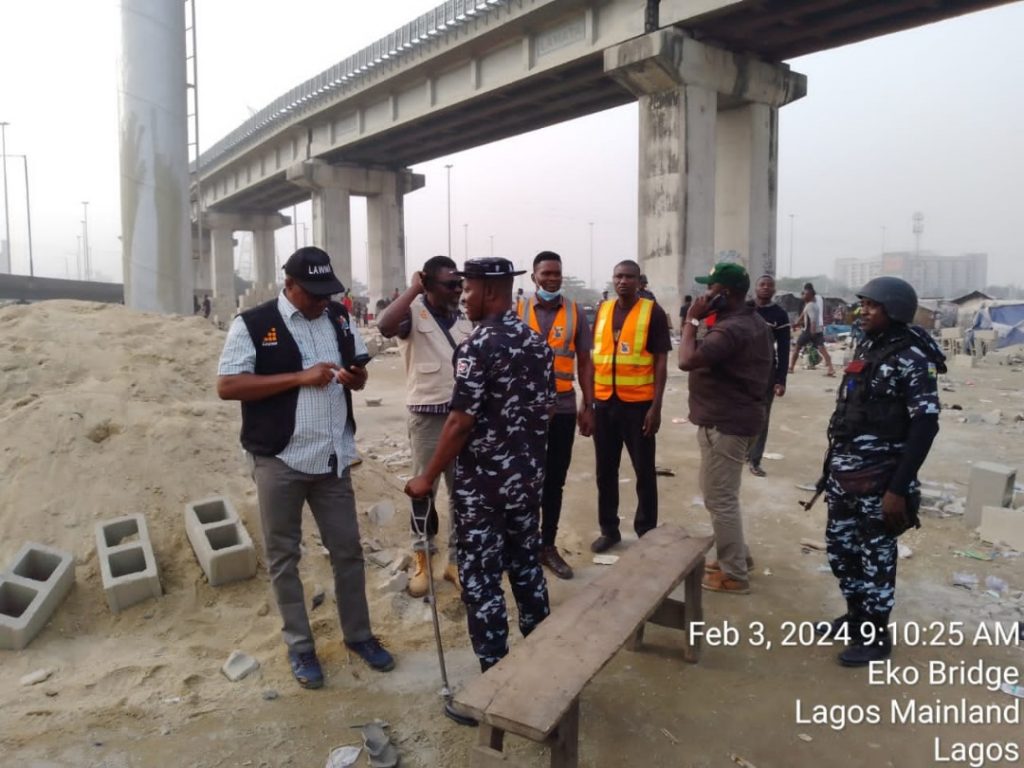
728, 274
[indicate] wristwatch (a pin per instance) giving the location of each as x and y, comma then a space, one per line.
694, 322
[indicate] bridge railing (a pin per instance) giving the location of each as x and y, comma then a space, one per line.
347, 74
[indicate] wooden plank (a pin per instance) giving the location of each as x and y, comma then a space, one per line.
530, 690
694, 613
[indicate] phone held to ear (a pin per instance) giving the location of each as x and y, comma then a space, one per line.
359, 361
717, 302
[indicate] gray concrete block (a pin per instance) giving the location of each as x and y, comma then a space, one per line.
38, 580
989, 485
222, 545
1000, 525
127, 563
239, 665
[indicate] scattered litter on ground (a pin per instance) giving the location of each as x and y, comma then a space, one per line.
741, 762
804, 737
34, 678
343, 757
965, 580
905, 552
824, 569
373, 402
379, 749
973, 554
773, 456
767, 571
1013, 690
239, 665
319, 595
813, 544
697, 501
680, 420
806, 487
669, 736
996, 585
606, 559
664, 471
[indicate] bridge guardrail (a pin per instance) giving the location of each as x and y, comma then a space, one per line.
348, 72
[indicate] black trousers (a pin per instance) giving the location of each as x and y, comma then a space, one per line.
757, 447
617, 424
561, 434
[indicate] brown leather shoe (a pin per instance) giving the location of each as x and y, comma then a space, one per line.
714, 567
719, 582
451, 573
550, 558
419, 584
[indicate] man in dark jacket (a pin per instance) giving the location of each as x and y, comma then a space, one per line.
778, 320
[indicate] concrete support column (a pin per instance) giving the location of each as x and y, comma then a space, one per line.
329, 187
746, 186
202, 266
222, 245
386, 233
264, 274
693, 160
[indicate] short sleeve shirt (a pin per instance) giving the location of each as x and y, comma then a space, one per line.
505, 379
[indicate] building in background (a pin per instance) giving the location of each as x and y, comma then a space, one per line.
930, 274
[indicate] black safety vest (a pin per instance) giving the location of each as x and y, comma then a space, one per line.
268, 424
859, 411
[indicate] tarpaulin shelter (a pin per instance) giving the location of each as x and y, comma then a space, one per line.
1005, 318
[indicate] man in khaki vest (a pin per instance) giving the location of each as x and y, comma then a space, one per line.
427, 321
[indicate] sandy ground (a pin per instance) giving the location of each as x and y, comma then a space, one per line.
105, 412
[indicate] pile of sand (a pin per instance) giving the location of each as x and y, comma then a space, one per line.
104, 412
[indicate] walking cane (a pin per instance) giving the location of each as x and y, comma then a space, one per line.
446, 691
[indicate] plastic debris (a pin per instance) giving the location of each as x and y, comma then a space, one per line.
343, 757
997, 585
664, 472
804, 737
773, 456
1013, 690
904, 552
965, 580
606, 559
973, 554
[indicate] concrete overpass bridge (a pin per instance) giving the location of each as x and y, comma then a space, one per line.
708, 75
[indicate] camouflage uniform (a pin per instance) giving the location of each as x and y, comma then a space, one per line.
504, 378
861, 552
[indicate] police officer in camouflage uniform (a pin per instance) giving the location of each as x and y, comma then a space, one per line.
887, 414
496, 432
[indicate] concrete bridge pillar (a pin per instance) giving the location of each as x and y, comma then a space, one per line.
224, 300
384, 190
707, 155
329, 187
222, 228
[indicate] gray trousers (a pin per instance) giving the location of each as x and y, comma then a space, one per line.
282, 491
722, 458
424, 435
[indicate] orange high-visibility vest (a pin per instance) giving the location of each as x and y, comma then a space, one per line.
561, 339
623, 367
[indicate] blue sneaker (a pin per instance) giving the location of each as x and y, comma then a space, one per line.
373, 653
306, 669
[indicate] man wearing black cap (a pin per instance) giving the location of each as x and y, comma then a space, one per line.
496, 432
293, 362
729, 375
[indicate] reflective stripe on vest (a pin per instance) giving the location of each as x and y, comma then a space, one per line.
561, 339
624, 368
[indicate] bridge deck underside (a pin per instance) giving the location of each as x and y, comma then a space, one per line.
783, 29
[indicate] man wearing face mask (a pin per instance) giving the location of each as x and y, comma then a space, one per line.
429, 326
729, 374
563, 324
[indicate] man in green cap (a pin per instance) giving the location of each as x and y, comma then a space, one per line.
729, 373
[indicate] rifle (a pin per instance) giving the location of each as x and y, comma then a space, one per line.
819, 487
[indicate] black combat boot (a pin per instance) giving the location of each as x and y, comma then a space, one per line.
851, 619
863, 652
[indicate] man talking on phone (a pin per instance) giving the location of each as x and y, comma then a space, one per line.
293, 362
729, 373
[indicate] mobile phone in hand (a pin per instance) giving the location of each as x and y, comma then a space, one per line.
359, 361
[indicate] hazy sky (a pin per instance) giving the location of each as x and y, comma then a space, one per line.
929, 120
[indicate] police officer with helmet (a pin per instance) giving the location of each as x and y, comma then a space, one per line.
886, 417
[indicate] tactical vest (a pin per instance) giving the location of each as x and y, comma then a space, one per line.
561, 339
623, 366
859, 411
268, 424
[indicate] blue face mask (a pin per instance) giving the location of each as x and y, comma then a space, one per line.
548, 295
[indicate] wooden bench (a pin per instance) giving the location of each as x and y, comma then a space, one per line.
534, 691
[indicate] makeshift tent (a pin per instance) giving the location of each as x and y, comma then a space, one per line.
1005, 318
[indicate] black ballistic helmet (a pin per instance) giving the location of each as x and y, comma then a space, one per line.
897, 296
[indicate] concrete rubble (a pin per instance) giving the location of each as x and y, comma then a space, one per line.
239, 665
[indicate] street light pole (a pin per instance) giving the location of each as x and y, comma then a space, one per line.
7, 214
792, 218
591, 225
448, 170
87, 267
28, 216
